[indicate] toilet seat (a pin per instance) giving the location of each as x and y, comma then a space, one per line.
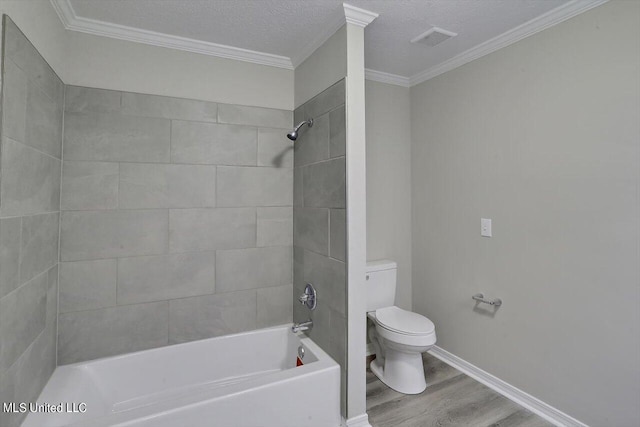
399, 321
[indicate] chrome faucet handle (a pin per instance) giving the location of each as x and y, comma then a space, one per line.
304, 298
309, 297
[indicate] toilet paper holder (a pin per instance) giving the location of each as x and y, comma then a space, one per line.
496, 302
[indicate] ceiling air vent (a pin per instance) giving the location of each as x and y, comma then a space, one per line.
434, 36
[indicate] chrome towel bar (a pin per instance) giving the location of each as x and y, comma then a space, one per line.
497, 302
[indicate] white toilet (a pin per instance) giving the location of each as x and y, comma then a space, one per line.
399, 337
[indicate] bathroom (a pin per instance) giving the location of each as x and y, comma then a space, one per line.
457, 181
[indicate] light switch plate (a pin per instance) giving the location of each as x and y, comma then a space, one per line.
485, 227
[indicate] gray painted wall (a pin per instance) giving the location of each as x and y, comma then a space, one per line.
176, 221
388, 116
32, 104
543, 138
319, 220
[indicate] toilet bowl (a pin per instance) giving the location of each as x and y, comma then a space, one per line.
399, 337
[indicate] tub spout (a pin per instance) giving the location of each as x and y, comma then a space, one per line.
304, 326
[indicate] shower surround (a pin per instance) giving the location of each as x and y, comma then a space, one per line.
176, 221
32, 102
153, 220
319, 221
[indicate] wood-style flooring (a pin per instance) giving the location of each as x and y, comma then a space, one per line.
451, 399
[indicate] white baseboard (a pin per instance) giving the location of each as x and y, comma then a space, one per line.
359, 421
538, 407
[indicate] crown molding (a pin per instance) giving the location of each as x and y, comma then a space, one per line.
529, 28
356, 16
65, 12
352, 15
72, 22
388, 78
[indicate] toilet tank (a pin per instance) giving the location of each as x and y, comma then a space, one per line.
381, 284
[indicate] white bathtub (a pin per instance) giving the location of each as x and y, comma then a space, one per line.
243, 380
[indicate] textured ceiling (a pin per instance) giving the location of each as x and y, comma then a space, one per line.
285, 27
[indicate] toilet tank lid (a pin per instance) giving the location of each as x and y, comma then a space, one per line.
380, 265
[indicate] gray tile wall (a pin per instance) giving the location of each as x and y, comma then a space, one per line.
30, 151
176, 224
319, 220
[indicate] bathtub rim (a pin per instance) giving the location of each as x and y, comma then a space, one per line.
323, 364
315, 348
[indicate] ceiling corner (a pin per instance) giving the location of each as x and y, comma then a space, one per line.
336, 23
529, 28
65, 12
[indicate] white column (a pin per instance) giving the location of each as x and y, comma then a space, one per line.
357, 19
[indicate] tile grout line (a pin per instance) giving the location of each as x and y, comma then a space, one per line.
201, 251
171, 141
168, 326
30, 215
257, 146
119, 167
203, 208
33, 81
26, 350
117, 280
64, 101
25, 145
330, 159
22, 285
168, 249
328, 232
169, 163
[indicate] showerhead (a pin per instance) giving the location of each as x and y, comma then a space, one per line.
293, 135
